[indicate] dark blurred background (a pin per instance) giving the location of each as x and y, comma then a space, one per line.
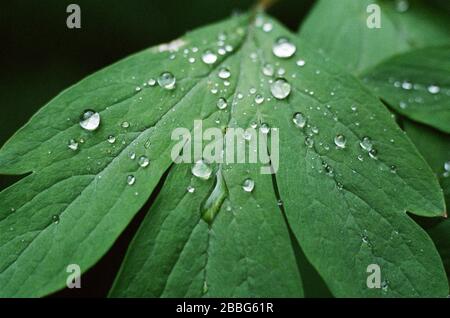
40, 56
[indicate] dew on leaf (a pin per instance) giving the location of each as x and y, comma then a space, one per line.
433, 89
259, 99
125, 124
201, 170
111, 139
224, 73
366, 143
167, 80
131, 179
283, 48
299, 120
265, 128
73, 145
248, 185
301, 62
90, 120
209, 57
143, 161
340, 141
309, 142
222, 103
151, 82
280, 88
190, 189
55, 219
268, 69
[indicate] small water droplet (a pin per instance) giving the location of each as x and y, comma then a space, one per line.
131, 179
385, 285
125, 124
265, 128
309, 142
224, 73
201, 170
55, 219
151, 82
401, 5
190, 189
268, 69
340, 141
247, 135
90, 120
366, 143
447, 166
283, 48
393, 169
433, 89
299, 120
407, 85
280, 88
301, 62
167, 80
132, 155
111, 139
248, 185
143, 161
209, 57
373, 153
259, 99
267, 27
73, 145
222, 103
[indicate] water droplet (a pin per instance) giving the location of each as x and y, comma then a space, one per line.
366, 143
259, 99
283, 48
131, 179
214, 202
248, 185
385, 285
125, 124
309, 142
280, 88
447, 166
224, 73
401, 5
299, 120
90, 120
201, 170
222, 103
132, 155
247, 135
360, 157
268, 69
315, 130
55, 219
151, 82
167, 80
433, 89
143, 161
301, 62
373, 153
265, 128
111, 139
209, 57
407, 85
267, 27
73, 145
393, 169
190, 189
340, 141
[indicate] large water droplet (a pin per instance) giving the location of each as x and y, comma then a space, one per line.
299, 120
167, 80
214, 202
280, 89
143, 161
248, 185
340, 141
209, 57
90, 120
283, 48
201, 170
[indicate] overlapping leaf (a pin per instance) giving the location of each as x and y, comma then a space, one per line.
344, 205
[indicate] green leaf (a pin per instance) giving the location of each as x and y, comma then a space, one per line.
435, 147
342, 31
345, 206
416, 84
